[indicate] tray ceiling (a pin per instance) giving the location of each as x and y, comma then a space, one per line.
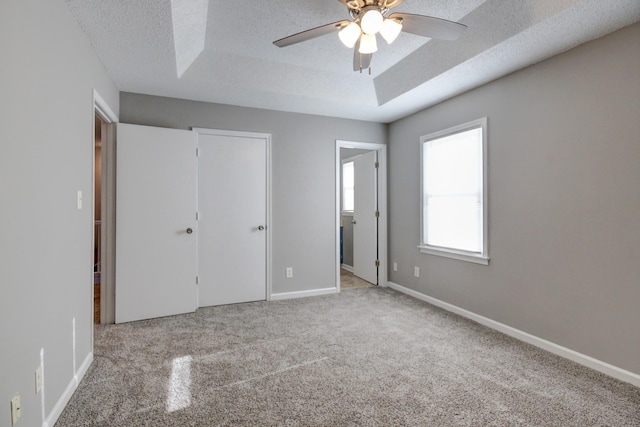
221, 51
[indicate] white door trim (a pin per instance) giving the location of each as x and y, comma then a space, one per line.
382, 205
102, 108
267, 138
107, 301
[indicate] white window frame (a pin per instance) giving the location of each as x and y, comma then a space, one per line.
475, 257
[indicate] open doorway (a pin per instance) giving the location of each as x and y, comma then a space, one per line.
361, 231
97, 216
358, 230
103, 284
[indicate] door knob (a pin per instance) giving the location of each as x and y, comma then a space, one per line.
261, 227
353, 221
189, 230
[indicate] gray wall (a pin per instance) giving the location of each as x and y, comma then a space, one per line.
303, 161
564, 201
47, 78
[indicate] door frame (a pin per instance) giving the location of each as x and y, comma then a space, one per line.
382, 204
267, 138
108, 193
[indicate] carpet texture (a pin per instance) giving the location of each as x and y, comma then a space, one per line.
371, 357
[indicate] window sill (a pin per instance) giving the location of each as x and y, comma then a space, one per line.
453, 254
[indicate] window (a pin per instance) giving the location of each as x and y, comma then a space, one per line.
454, 193
347, 187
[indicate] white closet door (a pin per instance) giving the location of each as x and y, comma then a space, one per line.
156, 224
365, 227
232, 208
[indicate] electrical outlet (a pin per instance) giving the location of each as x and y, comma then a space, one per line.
289, 273
395, 266
38, 379
416, 271
15, 409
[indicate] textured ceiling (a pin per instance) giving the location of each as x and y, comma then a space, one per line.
221, 51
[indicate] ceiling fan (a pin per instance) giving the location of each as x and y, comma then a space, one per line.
368, 18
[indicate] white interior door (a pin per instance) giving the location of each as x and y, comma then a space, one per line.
232, 209
156, 224
365, 227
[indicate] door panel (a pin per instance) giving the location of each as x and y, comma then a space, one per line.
232, 201
365, 229
156, 204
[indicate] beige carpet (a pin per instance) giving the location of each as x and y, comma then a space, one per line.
366, 357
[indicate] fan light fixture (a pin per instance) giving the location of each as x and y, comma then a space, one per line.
365, 26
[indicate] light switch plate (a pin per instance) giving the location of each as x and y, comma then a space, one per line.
38, 379
289, 273
416, 271
79, 199
15, 409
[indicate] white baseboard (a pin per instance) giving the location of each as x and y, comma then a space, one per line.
303, 294
347, 267
582, 359
68, 392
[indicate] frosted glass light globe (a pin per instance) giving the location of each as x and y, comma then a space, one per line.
371, 21
390, 30
349, 35
368, 44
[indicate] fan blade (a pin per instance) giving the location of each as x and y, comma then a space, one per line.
428, 26
361, 61
311, 34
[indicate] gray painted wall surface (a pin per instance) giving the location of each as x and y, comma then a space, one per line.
564, 201
47, 78
303, 163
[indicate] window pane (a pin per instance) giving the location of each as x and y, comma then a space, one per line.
347, 175
347, 187
453, 164
454, 222
347, 204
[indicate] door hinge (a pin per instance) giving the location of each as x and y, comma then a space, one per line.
197, 152
196, 216
377, 214
377, 263
377, 164
197, 278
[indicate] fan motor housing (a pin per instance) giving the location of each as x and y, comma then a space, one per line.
358, 5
